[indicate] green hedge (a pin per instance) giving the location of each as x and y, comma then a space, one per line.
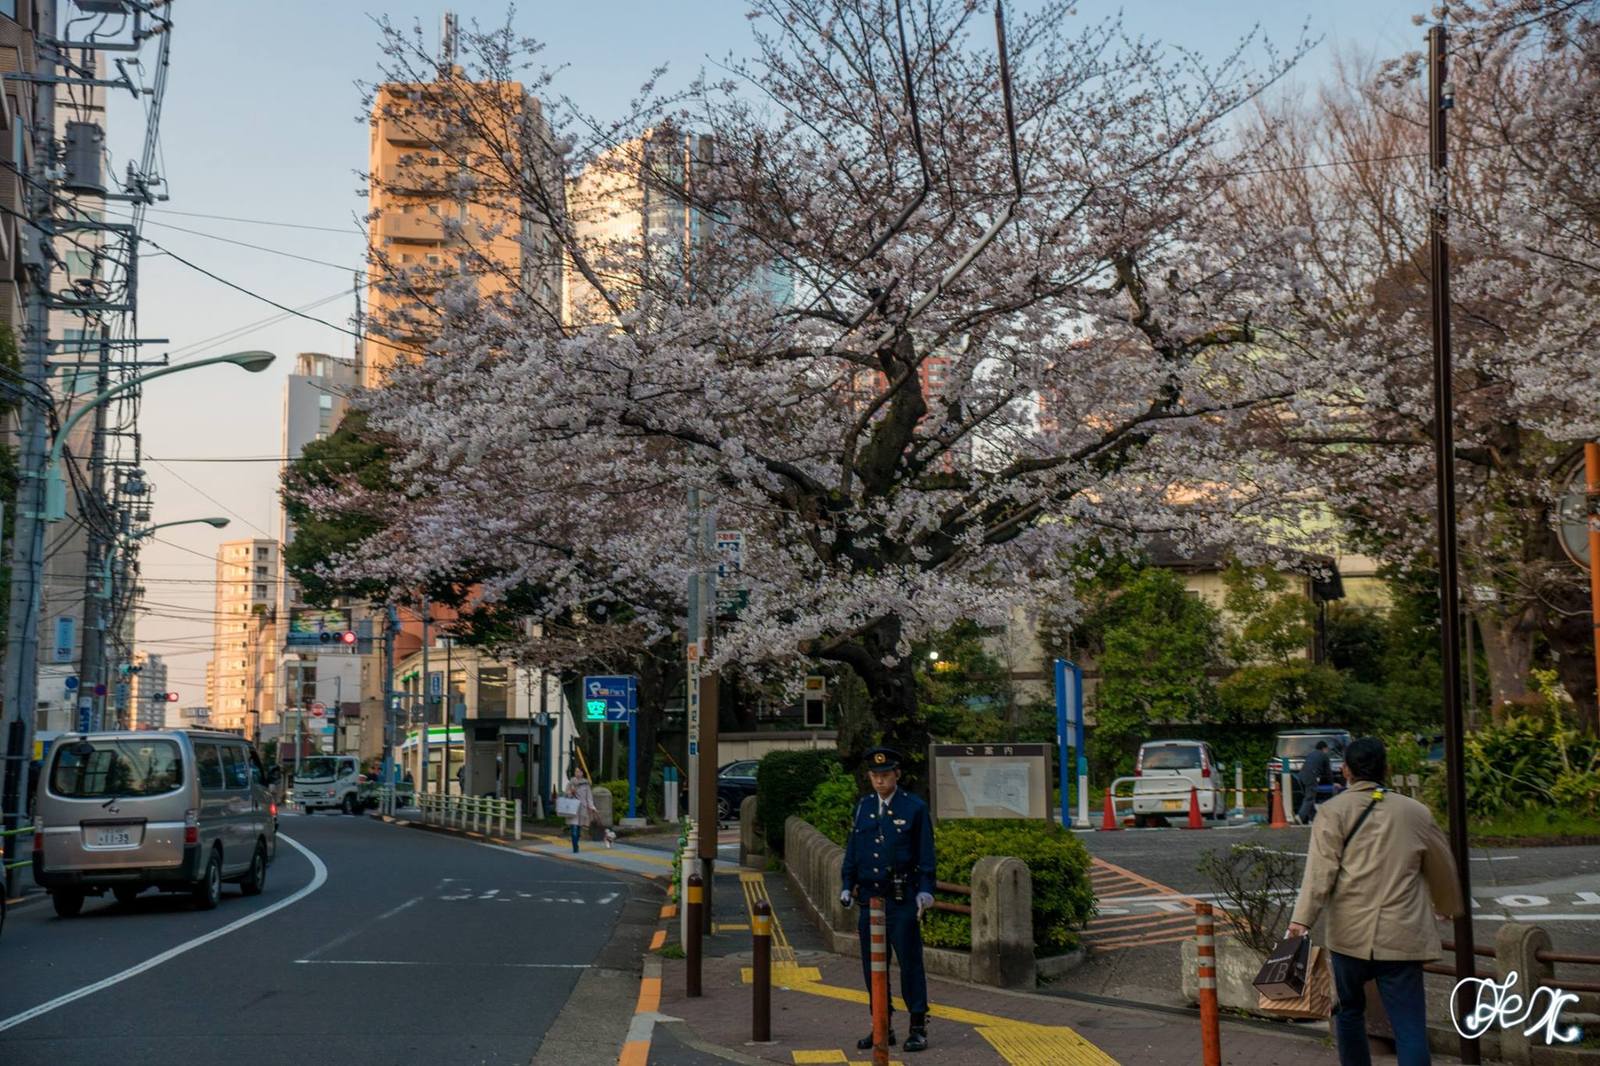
1528, 761
1063, 899
784, 783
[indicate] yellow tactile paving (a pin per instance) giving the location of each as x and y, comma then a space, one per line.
803, 1057
785, 971
1019, 1043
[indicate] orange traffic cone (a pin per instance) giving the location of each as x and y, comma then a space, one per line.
1109, 819
1278, 821
1195, 821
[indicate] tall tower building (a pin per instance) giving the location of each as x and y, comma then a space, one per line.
445, 208
148, 692
244, 652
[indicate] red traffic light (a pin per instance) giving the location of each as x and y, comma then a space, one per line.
172, 697
347, 637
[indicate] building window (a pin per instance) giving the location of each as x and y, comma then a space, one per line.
325, 402
261, 553
8, 8
261, 592
261, 571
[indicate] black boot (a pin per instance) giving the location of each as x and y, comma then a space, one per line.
865, 1043
918, 1040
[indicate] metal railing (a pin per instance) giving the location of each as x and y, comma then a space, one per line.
1567, 957
954, 889
471, 812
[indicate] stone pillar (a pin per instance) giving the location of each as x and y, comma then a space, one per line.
1002, 923
602, 803
1515, 947
752, 848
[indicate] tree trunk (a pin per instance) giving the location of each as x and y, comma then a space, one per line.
892, 692
656, 676
1508, 652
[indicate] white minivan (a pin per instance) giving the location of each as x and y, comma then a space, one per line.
175, 810
1163, 775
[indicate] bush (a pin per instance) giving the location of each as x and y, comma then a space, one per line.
1256, 886
832, 805
1519, 764
783, 785
1062, 897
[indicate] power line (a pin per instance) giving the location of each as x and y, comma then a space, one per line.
256, 221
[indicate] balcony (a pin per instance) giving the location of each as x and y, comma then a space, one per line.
419, 227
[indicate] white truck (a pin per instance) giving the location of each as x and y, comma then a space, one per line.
329, 782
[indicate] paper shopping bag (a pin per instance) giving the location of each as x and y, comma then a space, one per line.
1315, 1000
1283, 975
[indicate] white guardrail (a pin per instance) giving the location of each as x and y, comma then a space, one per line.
471, 812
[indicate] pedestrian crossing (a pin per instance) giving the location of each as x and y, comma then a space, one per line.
1149, 914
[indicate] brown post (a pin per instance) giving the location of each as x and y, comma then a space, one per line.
707, 785
761, 977
693, 908
1591, 475
879, 939
1206, 957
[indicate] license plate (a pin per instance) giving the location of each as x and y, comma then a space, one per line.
1172, 805
111, 838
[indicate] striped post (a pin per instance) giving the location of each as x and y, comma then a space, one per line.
1205, 936
878, 937
761, 972
1238, 789
694, 906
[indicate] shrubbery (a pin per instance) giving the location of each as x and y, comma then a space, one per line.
784, 783
1526, 762
1062, 897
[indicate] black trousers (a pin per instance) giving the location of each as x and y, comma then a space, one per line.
905, 941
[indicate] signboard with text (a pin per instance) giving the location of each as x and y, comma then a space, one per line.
316, 627
989, 780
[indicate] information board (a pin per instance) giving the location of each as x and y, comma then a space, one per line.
990, 780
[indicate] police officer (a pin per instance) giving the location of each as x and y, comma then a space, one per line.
890, 854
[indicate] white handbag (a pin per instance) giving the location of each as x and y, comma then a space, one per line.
567, 806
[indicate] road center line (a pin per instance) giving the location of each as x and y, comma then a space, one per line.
319, 874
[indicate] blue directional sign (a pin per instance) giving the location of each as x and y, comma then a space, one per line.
610, 698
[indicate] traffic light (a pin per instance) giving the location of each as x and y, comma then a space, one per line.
172, 697
347, 638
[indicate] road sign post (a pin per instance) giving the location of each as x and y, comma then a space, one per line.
1069, 733
613, 699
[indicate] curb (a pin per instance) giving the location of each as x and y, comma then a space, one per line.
509, 842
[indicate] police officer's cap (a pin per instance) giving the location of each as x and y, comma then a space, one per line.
879, 759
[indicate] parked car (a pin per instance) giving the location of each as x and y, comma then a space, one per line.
1295, 745
1165, 772
735, 781
180, 811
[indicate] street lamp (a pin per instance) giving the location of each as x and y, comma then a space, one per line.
140, 534
55, 506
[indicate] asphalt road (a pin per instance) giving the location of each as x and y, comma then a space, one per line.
371, 945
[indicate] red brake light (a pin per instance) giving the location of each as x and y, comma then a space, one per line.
191, 826
38, 838
1138, 764
1205, 764
272, 809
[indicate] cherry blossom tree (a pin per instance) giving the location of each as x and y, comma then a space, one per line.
921, 339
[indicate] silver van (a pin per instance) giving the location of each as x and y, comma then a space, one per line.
175, 810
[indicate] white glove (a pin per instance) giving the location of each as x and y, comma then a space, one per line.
924, 901
846, 898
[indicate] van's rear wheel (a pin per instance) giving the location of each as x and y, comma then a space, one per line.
67, 904
256, 879
126, 894
207, 892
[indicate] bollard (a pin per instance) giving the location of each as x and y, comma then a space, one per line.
1108, 819
693, 906
761, 976
878, 937
1206, 956
516, 814
1288, 795
1238, 789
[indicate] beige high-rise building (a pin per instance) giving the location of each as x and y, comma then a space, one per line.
244, 655
445, 209
147, 692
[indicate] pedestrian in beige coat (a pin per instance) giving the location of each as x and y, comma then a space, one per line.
1378, 872
578, 788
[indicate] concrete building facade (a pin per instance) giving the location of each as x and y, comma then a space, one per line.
147, 693
245, 645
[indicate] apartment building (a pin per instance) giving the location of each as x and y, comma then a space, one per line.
244, 656
444, 209
148, 693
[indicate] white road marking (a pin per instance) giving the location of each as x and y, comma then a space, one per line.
319, 874
489, 965
363, 927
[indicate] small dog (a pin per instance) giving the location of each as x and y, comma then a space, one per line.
611, 835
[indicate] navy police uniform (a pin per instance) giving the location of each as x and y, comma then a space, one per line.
890, 854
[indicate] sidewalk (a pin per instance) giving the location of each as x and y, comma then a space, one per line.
819, 1009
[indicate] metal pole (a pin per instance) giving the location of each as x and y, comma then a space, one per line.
694, 911
427, 709
545, 740
706, 784
91, 658
761, 972
879, 963
391, 625
1445, 485
1591, 474
21, 691
1063, 738
693, 638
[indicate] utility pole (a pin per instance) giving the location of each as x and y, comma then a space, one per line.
390, 629
20, 695
427, 709
706, 783
1440, 99
91, 659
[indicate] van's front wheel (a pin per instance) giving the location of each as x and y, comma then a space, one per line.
207, 892
67, 904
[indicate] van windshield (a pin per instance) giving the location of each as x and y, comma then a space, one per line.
1301, 745
101, 769
317, 769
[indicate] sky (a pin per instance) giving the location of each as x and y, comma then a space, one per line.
262, 125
